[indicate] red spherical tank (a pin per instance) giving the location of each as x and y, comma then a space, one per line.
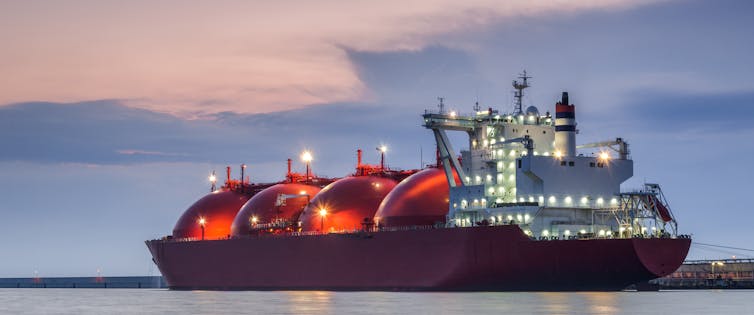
344, 204
214, 213
420, 199
264, 209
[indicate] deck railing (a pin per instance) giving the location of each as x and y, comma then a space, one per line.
587, 236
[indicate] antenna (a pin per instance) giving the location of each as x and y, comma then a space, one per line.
243, 170
382, 149
476, 101
441, 105
421, 157
213, 181
519, 94
289, 175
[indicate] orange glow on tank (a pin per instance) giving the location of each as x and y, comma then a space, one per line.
348, 202
263, 206
420, 199
214, 211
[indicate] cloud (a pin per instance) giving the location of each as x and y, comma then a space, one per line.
117, 134
404, 85
110, 132
694, 114
93, 132
143, 152
242, 56
730, 111
602, 57
417, 77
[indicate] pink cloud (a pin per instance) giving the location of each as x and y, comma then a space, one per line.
191, 58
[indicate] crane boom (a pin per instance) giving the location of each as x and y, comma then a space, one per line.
617, 145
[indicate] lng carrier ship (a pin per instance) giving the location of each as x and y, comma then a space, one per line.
523, 208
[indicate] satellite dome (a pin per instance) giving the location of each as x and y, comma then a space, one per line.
532, 110
216, 211
346, 203
264, 208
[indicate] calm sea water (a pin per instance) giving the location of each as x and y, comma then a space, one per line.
145, 301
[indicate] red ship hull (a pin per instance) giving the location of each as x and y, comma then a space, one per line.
496, 258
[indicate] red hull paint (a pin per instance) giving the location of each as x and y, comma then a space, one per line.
496, 258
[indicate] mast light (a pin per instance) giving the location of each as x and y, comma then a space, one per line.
306, 156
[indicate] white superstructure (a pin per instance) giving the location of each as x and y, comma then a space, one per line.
524, 168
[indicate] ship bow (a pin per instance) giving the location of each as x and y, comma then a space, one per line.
661, 256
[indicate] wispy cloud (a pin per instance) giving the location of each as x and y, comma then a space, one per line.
146, 152
244, 56
710, 113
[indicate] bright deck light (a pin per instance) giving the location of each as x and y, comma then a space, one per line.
306, 156
323, 212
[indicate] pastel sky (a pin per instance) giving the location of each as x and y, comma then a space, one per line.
194, 57
112, 113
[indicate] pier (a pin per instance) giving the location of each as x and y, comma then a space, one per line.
710, 274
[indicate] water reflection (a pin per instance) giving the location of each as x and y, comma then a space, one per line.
159, 302
601, 302
309, 302
555, 302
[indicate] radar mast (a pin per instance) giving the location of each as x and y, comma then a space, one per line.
519, 93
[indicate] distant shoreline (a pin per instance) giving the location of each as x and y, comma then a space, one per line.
144, 282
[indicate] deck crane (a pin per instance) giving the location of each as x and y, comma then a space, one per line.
617, 145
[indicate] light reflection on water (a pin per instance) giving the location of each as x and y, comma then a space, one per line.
147, 301
555, 303
601, 302
307, 302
